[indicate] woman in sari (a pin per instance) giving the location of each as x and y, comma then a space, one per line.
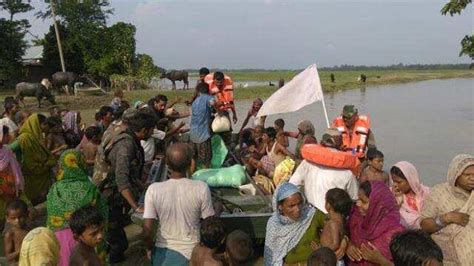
11, 178
305, 135
448, 212
36, 161
39, 247
410, 193
372, 223
72, 191
72, 128
292, 227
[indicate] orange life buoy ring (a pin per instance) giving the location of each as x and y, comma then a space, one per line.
328, 157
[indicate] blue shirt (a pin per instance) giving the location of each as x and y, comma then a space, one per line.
201, 118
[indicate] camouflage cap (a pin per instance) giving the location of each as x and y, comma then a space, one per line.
129, 114
328, 136
349, 110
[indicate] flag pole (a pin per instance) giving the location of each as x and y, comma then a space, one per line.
324, 104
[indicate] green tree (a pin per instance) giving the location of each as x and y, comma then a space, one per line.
12, 38
452, 8
145, 69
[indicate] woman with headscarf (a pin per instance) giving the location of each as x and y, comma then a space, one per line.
410, 193
372, 223
35, 159
292, 227
72, 191
448, 210
252, 113
11, 178
72, 128
305, 135
39, 247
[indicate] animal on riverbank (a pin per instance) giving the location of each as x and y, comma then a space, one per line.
175, 75
362, 78
281, 83
38, 90
64, 79
333, 78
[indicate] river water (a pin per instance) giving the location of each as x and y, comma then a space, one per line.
426, 123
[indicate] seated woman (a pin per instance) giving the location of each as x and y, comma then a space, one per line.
448, 212
410, 193
305, 135
374, 169
252, 114
292, 227
273, 154
372, 223
72, 191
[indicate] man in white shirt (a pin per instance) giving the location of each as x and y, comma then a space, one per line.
317, 180
178, 204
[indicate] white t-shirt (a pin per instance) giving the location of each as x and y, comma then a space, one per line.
149, 144
317, 180
178, 205
6, 121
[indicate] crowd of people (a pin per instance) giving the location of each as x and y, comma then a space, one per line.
333, 203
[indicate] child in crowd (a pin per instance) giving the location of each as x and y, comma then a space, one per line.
55, 141
279, 125
374, 169
89, 148
322, 257
212, 235
239, 249
338, 205
17, 215
117, 100
87, 225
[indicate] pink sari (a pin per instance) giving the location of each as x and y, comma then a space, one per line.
8, 163
410, 213
378, 226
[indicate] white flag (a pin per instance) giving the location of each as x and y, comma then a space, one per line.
304, 89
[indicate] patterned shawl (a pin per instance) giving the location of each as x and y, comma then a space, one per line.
411, 217
455, 240
70, 123
380, 223
283, 234
39, 247
72, 191
8, 162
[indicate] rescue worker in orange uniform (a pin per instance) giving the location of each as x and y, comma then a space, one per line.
357, 135
221, 86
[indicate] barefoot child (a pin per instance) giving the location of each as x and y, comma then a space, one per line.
374, 169
87, 225
117, 100
89, 148
55, 141
212, 237
280, 128
338, 205
17, 215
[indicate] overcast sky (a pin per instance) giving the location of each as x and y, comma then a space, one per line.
283, 34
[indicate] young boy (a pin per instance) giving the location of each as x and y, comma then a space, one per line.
212, 235
374, 169
55, 141
87, 225
279, 125
117, 100
17, 215
89, 149
239, 249
338, 205
322, 257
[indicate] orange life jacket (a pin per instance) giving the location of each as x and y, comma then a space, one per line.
357, 141
226, 95
329, 157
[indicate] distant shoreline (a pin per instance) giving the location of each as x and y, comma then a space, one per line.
345, 80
